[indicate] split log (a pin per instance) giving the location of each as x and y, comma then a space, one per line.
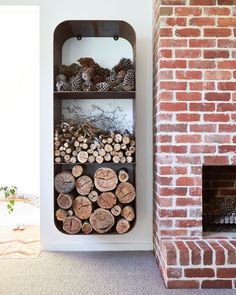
106, 200
118, 137
105, 179
84, 185
64, 182
61, 214
102, 220
122, 226
93, 196
125, 192
123, 175
126, 139
93, 146
128, 213
77, 170
117, 147
72, 225
82, 157
116, 210
99, 159
95, 153
109, 140
123, 160
73, 160
107, 157
87, 228
91, 159
116, 159
82, 207
108, 148
65, 201
101, 152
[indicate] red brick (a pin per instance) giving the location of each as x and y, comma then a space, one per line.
165, 75
226, 273
217, 32
188, 223
227, 128
173, 107
202, 43
173, 127
215, 54
165, 202
219, 253
216, 11
215, 96
227, 64
182, 22
205, 64
166, 11
195, 253
184, 258
180, 284
173, 64
226, 22
217, 75
179, 191
188, 53
224, 43
188, 159
173, 213
174, 273
173, 43
207, 252
216, 117
226, 107
202, 2
165, 96
188, 96
216, 284
187, 117
226, 2
189, 75
199, 273
173, 2
202, 107
217, 138
164, 139
165, 53
195, 191
188, 138
173, 85
188, 202
212, 160
199, 149
230, 250
166, 32
186, 11
225, 86
174, 232
188, 181
187, 32
227, 149
173, 149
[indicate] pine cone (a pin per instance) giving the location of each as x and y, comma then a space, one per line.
76, 83
98, 79
63, 86
86, 62
118, 87
129, 81
126, 64
104, 86
69, 71
87, 86
99, 71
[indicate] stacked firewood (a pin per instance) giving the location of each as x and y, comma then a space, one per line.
101, 204
86, 145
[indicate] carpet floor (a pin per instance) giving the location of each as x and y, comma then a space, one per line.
90, 273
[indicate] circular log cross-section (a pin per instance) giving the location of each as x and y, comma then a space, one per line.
128, 213
122, 226
116, 210
105, 179
72, 225
82, 207
64, 182
84, 185
125, 192
102, 220
87, 228
61, 214
123, 176
93, 196
106, 200
77, 171
64, 201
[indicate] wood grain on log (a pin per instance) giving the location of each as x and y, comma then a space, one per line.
99, 159
105, 179
61, 214
64, 182
93, 196
84, 185
106, 200
82, 207
82, 157
65, 201
72, 225
107, 157
123, 175
87, 228
125, 192
102, 220
116, 210
116, 159
122, 226
77, 170
128, 213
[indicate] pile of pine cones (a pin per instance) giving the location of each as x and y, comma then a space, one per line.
87, 75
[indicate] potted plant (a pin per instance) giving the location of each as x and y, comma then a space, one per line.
9, 193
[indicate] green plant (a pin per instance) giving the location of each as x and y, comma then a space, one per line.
9, 192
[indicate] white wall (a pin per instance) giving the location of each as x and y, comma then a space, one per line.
19, 98
139, 14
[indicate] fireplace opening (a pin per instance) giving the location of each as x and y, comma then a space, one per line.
219, 198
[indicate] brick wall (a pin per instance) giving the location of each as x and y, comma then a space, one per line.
194, 107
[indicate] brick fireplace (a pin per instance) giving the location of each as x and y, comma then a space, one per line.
194, 130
